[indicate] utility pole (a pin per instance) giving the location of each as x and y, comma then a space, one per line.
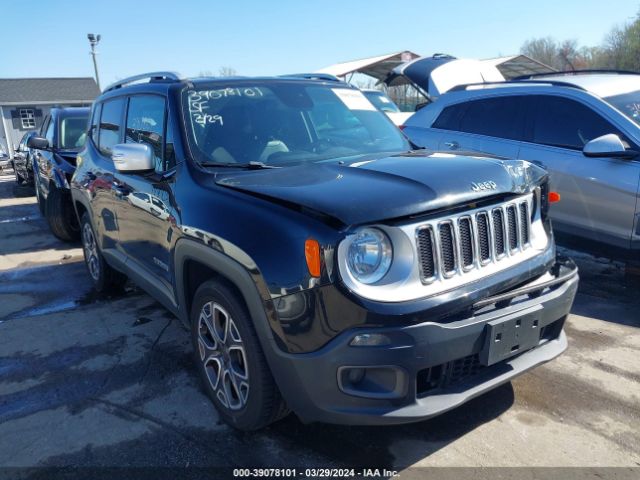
93, 41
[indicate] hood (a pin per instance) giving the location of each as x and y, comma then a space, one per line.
440, 73
389, 187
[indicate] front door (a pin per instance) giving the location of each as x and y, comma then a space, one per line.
146, 208
598, 195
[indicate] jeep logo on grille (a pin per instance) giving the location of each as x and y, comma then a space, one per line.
476, 187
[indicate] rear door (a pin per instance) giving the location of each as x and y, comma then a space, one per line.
598, 195
106, 131
492, 125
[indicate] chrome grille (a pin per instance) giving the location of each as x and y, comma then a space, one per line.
512, 226
466, 242
524, 223
426, 251
498, 231
447, 248
482, 220
451, 246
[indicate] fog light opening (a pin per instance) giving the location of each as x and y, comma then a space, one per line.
370, 340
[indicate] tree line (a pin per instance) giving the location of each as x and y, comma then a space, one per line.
620, 50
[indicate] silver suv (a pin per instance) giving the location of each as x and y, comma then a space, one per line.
584, 127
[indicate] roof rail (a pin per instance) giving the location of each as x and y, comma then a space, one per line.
152, 76
508, 83
577, 72
314, 76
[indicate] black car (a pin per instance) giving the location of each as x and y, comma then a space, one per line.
22, 161
54, 154
321, 264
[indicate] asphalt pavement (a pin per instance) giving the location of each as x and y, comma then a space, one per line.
92, 380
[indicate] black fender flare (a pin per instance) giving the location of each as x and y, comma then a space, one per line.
259, 311
226, 267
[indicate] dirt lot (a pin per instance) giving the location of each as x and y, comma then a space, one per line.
88, 380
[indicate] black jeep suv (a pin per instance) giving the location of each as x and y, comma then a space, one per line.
54, 153
322, 265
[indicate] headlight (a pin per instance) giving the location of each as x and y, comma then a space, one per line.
369, 255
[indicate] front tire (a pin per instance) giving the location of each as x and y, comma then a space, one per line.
230, 360
61, 216
105, 278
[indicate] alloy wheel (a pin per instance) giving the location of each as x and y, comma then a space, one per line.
223, 356
90, 251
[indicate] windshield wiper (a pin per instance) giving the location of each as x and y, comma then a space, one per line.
244, 166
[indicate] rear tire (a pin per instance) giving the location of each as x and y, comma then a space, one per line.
105, 278
61, 215
230, 360
19, 179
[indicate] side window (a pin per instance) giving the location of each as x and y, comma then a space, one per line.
44, 126
449, 118
169, 150
110, 125
565, 123
95, 120
49, 133
495, 117
145, 124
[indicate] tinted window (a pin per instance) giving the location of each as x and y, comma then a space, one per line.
566, 123
95, 120
495, 117
73, 132
449, 118
169, 149
110, 125
145, 124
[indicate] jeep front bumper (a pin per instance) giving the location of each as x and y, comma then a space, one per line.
422, 370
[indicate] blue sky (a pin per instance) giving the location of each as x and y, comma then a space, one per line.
48, 38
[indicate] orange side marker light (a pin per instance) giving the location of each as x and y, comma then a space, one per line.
312, 254
554, 197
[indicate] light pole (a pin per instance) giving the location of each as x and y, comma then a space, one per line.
93, 40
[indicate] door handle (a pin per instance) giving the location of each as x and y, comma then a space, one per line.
453, 145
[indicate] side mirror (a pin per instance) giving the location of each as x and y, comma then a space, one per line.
39, 143
608, 145
132, 157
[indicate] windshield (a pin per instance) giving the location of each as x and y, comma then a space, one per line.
284, 123
627, 103
381, 101
73, 132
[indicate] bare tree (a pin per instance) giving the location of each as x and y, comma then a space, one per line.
227, 72
620, 50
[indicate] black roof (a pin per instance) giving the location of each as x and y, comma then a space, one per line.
26, 90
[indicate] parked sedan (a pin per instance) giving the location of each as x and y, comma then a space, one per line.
584, 127
54, 161
22, 161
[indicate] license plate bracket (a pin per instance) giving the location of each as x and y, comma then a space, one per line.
509, 336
